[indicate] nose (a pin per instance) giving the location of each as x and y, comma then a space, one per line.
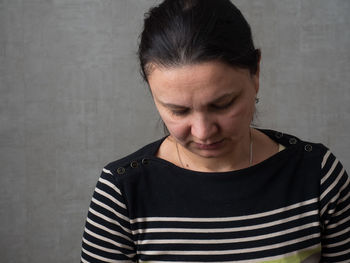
203, 127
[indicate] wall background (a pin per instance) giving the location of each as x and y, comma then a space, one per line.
71, 100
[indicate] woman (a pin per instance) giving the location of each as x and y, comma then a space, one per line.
215, 189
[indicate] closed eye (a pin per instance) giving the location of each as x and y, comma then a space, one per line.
224, 105
179, 112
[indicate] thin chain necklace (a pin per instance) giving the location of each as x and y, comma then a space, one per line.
250, 148
250, 151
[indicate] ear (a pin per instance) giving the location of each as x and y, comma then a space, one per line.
256, 76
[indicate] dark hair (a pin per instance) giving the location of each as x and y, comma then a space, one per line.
180, 32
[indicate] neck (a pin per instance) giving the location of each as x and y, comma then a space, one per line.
239, 157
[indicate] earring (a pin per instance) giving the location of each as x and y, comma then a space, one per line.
257, 100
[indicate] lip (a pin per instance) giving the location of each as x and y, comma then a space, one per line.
208, 146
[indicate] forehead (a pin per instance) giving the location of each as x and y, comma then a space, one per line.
203, 79
207, 68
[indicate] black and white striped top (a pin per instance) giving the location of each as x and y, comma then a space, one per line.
292, 207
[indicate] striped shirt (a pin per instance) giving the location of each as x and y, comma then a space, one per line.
292, 207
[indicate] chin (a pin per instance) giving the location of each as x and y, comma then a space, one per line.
209, 153
211, 156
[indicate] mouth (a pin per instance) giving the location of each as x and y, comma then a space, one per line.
209, 146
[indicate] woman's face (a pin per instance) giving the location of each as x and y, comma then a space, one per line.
207, 107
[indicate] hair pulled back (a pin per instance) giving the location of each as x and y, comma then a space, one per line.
182, 32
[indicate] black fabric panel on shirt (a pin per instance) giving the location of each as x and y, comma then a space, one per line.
162, 189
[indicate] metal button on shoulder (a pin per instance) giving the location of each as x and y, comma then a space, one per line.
121, 170
293, 140
133, 164
308, 148
279, 135
144, 161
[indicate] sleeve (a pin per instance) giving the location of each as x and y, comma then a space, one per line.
334, 210
107, 235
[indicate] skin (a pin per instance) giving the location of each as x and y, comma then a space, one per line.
208, 108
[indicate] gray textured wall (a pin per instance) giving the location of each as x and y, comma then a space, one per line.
71, 100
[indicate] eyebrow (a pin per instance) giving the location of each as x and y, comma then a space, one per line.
174, 106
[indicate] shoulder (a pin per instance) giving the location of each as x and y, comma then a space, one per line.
307, 156
314, 162
308, 148
136, 159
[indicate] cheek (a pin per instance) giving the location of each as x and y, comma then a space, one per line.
239, 113
240, 117
177, 128
245, 109
180, 132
